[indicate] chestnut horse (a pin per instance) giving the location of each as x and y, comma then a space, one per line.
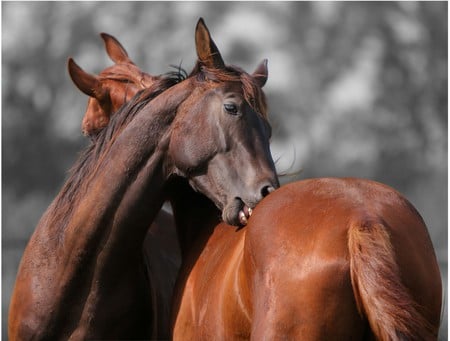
81, 274
320, 259
113, 87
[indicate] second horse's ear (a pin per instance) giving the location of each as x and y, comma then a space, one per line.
207, 51
115, 50
87, 83
261, 73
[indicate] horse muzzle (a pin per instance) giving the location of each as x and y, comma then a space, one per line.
239, 210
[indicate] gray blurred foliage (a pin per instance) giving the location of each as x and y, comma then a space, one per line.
355, 89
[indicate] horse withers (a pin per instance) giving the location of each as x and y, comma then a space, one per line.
81, 275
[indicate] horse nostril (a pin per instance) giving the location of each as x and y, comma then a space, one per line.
266, 190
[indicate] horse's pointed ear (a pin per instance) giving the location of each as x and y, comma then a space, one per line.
115, 50
207, 51
261, 73
87, 83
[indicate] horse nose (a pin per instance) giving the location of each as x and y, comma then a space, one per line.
266, 190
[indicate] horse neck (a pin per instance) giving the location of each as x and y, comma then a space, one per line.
124, 188
195, 216
92, 234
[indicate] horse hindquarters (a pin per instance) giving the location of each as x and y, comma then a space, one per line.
319, 250
379, 288
297, 258
319, 306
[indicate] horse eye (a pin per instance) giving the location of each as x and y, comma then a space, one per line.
231, 108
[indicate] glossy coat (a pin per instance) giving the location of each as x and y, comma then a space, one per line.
320, 259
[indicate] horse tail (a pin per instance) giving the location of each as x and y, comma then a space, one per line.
379, 292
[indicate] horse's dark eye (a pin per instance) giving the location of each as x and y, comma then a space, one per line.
231, 108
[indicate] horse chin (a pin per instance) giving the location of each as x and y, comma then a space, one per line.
236, 213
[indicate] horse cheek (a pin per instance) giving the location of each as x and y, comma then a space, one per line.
191, 148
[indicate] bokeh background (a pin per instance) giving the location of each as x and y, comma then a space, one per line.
355, 89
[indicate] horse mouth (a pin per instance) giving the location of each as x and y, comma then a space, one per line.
244, 214
237, 212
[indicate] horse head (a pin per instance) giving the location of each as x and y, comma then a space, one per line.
220, 139
220, 135
113, 86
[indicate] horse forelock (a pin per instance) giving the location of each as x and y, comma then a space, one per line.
125, 73
253, 94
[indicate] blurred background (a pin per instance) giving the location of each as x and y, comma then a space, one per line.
355, 89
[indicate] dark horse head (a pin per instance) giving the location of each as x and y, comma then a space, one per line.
220, 135
80, 268
221, 144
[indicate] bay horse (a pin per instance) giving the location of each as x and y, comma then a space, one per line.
320, 259
81, 274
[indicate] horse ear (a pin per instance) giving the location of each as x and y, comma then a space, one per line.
115, 50
261, 73
207, 51
87, 83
